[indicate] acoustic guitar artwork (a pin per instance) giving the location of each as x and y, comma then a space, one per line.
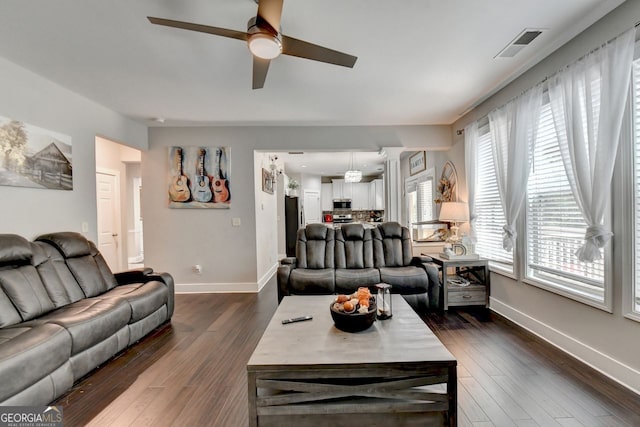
219, 185
179, 187
202, 190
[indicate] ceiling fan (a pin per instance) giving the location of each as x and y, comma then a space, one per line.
265, 40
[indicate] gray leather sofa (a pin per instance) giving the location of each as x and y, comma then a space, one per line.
63, 313
339, 261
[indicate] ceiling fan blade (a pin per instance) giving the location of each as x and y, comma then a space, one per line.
233, 34
271, 12
260, 68
302, 49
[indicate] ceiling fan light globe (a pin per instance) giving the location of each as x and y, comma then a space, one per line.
265, 46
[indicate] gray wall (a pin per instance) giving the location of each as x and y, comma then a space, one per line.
179, 239
607, 341
32, 99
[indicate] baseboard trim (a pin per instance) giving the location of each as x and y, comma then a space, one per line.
612, 368
267, 276
213, 288
239, 287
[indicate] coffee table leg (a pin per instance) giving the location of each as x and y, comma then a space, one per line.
253, 395
452, 391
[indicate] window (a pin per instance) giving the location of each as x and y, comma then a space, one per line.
489, 213
555, 227
635, 305
420, 203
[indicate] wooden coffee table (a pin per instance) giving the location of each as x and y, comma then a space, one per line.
310, 373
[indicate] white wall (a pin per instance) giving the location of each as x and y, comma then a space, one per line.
32, 99
266, 212
607, 341
175, 240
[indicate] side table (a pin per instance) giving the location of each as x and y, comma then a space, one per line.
477, 271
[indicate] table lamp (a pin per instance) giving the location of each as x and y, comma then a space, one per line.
455, 213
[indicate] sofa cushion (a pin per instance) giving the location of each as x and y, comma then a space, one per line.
26, 291
405, 280
14, 250
55, 275
349, 280
28, 354
89, 321
392, 245
315, 247
309, 281
69, 243
144, 298
83, 259
354, 247
8, 313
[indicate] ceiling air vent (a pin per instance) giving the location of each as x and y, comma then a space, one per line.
519, 42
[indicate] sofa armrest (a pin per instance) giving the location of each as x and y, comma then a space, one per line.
284, 271
290, 260
167, 279
433, 274
133, 276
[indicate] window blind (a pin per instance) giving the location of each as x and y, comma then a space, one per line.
489, 213
555, 227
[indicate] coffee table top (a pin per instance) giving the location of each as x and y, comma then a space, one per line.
403, 339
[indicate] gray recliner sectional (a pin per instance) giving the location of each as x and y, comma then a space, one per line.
332, 261
63, 313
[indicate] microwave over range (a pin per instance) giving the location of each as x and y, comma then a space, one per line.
341, 204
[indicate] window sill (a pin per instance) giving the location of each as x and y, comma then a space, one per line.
583, 299
635, 316
493, 268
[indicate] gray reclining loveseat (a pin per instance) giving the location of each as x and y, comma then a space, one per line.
63, 313
332, 261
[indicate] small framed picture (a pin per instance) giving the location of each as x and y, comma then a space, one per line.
417, 163
267, 181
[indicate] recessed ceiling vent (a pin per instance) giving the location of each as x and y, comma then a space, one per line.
519, 43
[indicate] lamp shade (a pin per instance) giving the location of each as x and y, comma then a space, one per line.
454, 212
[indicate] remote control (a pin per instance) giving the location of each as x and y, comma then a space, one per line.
297, 319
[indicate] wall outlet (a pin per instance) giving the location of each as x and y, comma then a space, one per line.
236, 222
85, 227
197, 269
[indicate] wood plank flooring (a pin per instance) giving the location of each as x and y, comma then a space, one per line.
192, 372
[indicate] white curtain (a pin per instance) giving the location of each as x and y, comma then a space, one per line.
589, 131
513, 132
470, 163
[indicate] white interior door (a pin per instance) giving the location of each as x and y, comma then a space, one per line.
312, 211
107, 186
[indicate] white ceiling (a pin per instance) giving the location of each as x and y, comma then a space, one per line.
371, 163
419, 61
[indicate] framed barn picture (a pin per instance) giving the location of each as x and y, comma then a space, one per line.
34, 157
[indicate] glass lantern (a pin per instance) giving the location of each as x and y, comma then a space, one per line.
383, 301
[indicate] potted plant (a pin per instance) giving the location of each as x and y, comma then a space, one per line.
293, 187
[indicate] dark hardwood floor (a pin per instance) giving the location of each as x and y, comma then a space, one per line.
192, 372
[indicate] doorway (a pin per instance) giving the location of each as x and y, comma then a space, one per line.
119, 218
108, 201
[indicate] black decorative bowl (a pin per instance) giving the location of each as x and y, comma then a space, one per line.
354, 322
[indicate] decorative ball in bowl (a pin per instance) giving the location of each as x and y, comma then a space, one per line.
355, 312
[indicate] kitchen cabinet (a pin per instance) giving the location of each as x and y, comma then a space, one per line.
360, 200
376, 195
341, 189
326, 196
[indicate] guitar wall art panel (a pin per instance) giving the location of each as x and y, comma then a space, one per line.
199, 178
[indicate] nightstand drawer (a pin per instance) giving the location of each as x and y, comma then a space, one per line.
463, 296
